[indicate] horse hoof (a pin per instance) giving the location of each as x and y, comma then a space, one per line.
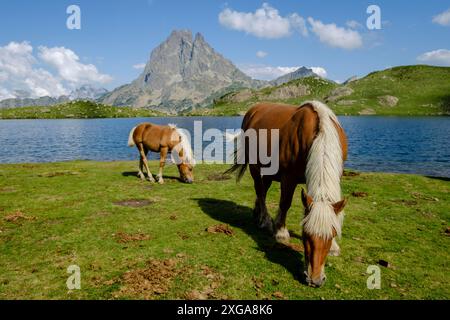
282, 236
161, 181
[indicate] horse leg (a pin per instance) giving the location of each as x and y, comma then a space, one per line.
162, 163
261, 215
144, 159
287, 192
141, 167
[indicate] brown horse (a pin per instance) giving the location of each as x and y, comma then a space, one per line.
312, 150
163, 139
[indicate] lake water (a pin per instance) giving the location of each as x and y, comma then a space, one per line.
394, 144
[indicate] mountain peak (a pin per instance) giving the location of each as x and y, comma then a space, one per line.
301, 72
183, 72
181, 34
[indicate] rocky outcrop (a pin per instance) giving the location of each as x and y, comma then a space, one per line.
388, 101
288, 92
367, 112
338, 93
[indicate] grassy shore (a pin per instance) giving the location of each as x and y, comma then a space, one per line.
76, 110
134, 239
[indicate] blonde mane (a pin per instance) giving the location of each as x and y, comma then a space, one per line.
323, 174
184, 145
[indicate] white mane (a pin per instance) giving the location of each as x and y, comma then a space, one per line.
323, 174
184, 145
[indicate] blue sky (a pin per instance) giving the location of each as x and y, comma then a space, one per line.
117, 35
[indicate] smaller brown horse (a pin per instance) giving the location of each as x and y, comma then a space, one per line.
163, 139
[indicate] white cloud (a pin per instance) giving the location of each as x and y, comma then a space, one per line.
5, 94
70, 68
353, 24
439, 57
321, 72
335, 36
443, 18
261, 54
264, 72
20, 70
139, 66
265, 22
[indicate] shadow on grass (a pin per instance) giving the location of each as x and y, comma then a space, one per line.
439, 178
135, 175
241, 217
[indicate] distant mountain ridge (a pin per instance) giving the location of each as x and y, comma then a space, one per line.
301, 72
23, 99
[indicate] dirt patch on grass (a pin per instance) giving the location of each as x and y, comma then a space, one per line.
351, 173
219, 177
149, 282
7, 190
447, 231
359, 194
220, 228
134, 203
122, 237
18, 217
209, 291
58, 174
417, 195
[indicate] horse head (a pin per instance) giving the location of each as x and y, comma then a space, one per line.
322, 223
184, 157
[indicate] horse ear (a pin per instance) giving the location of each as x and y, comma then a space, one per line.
306, 199
339, 206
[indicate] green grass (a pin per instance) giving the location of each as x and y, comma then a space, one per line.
421, 90
73, 220
75, 110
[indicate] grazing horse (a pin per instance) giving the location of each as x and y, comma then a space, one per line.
163, 139
312, 150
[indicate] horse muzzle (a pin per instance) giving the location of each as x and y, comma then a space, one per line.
188, 181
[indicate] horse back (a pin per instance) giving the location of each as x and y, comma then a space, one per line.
298, 127
154, 137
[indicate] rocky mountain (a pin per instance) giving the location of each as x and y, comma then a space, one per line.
32, 102
23, 98
301, 72
183, 71
87, 92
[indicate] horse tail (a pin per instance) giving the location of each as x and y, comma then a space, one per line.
131, 142
323, 173
238, 168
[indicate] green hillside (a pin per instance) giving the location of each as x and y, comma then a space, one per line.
407, 90
75, 110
